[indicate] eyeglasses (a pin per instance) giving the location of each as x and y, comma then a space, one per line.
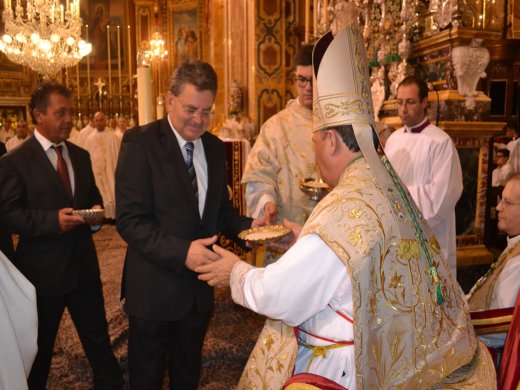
506, 203
303, 81
409, 103
192, 112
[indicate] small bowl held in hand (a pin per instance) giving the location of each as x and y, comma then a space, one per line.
264, 234
90, 215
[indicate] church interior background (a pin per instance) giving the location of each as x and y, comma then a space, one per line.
468, 50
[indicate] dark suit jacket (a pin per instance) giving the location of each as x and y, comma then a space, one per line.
157, 215
31, 194
6, 241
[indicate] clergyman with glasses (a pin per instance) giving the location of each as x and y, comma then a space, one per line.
172, 201
427, 161
282, 155
499, 287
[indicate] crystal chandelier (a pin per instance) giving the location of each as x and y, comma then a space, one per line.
46, 36
157, 47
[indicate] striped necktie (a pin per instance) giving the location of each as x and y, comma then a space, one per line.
191, 169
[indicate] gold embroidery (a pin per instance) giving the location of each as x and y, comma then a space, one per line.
355, 213
434, 245
409, 249
396, 280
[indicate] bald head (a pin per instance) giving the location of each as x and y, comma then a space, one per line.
100, 121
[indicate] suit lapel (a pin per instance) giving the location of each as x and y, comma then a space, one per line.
214, 171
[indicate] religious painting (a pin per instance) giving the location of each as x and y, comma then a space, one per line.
101, 19
186, 42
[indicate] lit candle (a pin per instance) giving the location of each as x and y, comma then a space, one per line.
307, 19
109, 64
88, 68
67, 3
62, 17
77, 80
119, 58
130, 62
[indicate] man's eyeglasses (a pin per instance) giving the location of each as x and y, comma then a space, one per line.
303, 81
192, 112
507, 203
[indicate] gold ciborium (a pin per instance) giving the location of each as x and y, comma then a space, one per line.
314, 188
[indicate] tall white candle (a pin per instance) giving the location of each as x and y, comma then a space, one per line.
109, 64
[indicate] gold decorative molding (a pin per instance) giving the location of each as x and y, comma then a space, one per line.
472, 255
452, 37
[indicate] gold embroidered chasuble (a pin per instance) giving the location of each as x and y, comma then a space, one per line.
281, 156
402, 338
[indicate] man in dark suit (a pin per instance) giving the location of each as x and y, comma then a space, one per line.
171, 201
6, 241
41, 182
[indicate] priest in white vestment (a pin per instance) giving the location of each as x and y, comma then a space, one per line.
84, 133
365, 286
499, 287
103, 147
503, 172
122, 127
22, 135
18, 326
282, 156
427, 161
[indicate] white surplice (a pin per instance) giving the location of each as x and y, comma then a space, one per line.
305, 288
429, 165
83, 135
501, 175
103, 147
18, 326
14, 142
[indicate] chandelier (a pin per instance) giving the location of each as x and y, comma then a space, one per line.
157, 47
46, 36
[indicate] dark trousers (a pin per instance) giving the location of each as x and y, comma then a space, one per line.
153, 344
86, 308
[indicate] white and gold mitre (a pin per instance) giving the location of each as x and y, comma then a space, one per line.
341, 80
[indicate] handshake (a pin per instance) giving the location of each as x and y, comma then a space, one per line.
215, 266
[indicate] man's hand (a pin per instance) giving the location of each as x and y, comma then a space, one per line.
270, 213
199, 254
287, 241
217, 274
67, 220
